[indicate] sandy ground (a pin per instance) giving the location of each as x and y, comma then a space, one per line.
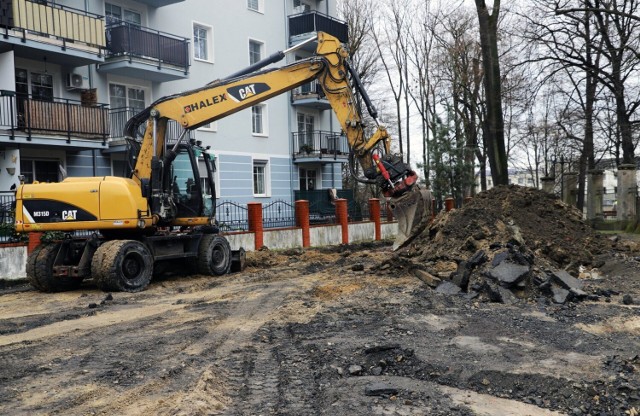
319, 332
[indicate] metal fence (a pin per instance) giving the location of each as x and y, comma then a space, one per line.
313, 21
28, 113
278, 214
232, 216
127, 39
7, 216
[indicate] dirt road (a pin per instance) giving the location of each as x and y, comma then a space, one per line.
319, 332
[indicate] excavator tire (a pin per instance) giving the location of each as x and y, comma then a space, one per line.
214, 255
122, 265
31, 267
40, 270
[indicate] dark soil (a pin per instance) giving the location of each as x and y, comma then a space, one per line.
348, 330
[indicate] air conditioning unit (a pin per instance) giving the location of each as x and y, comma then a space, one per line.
76, 82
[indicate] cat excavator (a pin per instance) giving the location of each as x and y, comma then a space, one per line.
165, 210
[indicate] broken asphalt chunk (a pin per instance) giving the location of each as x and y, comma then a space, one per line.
380, 389
565, 280
560, 295
509, 274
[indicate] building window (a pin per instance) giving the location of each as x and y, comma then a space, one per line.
42, 86
258, 119
255, 51
301, 7
255, 5
116, 14
260, 178
40, 170
307, 179
305, 130
122, 96
202, 42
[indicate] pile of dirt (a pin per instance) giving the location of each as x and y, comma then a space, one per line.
513, 237
518, 215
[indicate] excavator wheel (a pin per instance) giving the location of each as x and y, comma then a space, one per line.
214, 255
40, 270
122, 265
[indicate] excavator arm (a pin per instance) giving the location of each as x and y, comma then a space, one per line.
329, 66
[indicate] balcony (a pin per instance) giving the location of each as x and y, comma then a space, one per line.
24, 118
310, 95
141, 52
320, 146
60, 34
118, 118
302, 26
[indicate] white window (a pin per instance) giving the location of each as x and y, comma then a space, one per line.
305, 130
123, 96
202, 42
256, 5
260, 176
256, 49
213, 126
259, 119
301, 7
116, 14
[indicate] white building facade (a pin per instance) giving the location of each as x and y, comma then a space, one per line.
72, 72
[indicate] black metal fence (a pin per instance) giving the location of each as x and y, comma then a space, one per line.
127, 39
310, 22
278, 214
7, 216
232, 216
24, 112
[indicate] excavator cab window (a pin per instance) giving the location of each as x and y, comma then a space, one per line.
186, 187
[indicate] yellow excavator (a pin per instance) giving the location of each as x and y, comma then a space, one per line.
165, 211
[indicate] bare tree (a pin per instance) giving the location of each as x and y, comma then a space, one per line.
494, 123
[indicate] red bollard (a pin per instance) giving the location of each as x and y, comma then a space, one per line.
342, 217
449, 204
255, 223
302, 221
374, 215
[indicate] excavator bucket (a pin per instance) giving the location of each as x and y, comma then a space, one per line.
413, 212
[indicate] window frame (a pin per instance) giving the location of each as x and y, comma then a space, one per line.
264, 163
261, 45
209, 39
260, 8
264, 121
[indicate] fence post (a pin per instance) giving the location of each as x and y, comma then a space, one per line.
302, 220
374, 215
449, 203
34, 241
342, 216
255, 223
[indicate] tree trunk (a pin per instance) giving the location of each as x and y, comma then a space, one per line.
494, 139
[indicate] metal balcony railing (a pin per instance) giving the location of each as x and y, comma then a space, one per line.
118, 118
311, 22
127, 39
318, 143
28, 114
52, 21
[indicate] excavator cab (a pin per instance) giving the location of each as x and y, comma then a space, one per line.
192, 193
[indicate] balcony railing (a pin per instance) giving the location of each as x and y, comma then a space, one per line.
53, 21
311, 22
126, 39
118, 118
319, 144
59, 116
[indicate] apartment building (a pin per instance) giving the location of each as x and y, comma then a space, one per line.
72, 72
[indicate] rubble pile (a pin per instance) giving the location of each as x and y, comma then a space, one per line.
506, 244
